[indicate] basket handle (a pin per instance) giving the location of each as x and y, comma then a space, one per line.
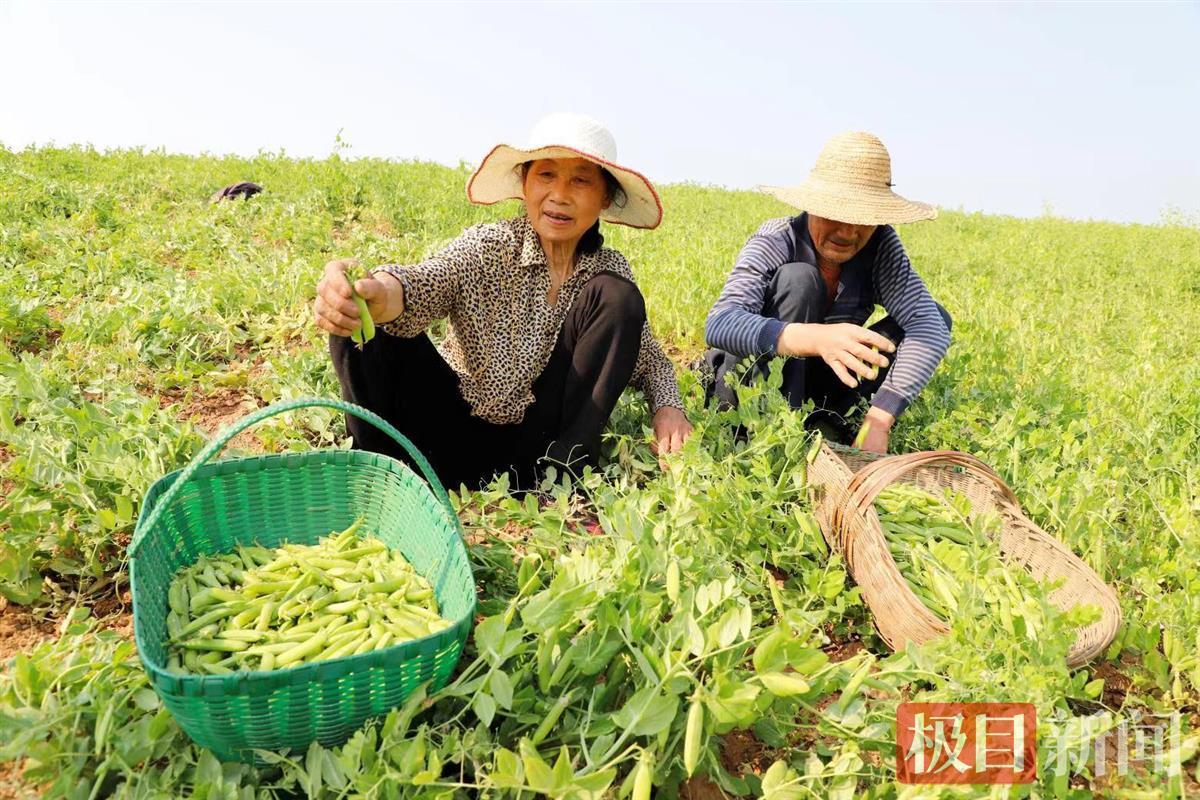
872, 479
215, 446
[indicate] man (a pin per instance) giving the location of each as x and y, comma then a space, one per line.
803, 287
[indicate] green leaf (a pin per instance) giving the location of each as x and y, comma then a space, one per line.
538, 774
313, 770
502, 689
484, 707
488, 635
732, 704
695, 636
331, 771
145, 699
208, 770
779, 783
550, 607
596, 649
563, 774
598, 782
730, 627
647, 712
806, 659
769, 656
508, 772
774, 776
161, 723
124, 509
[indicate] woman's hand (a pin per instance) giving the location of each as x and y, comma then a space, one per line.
337, 313
845, 347
671, 430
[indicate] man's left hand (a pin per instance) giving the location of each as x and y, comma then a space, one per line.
671, 430
878, 426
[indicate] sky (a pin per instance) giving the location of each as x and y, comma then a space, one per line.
1080, 110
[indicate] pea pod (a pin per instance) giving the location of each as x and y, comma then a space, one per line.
552, 717
297, 603
216, 645
215, 615
643, 782
564, 663
784, 684
176, 599
306, 648
866, 426
531, 564
365, 331
545, 655
855, 682
612, 682
692, 738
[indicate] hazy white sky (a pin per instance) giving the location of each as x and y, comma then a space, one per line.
1091, 109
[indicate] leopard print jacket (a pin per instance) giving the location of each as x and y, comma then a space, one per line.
492, 282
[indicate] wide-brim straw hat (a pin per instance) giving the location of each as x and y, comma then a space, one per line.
852, 182
567, 136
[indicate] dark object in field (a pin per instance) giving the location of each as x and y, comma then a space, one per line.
245, 189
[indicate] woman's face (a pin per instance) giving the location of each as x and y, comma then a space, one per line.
564, 197
837, 242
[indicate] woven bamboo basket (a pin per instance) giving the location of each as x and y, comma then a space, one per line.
845, 484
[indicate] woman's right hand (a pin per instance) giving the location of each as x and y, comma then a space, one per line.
337, 313
845, 347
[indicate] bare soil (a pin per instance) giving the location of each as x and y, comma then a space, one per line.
1116, 683
22, 630
116, 612
841, 651
742, 752
701, 787
219, 410
13, 785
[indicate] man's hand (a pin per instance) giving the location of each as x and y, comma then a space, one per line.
845, 347
671, 430
337, 313
875, 431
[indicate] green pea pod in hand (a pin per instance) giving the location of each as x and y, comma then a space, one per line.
365, 332
862, 434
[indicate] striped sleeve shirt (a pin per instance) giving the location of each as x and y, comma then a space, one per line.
736, 323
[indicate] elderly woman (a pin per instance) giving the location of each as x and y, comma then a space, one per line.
546, 326
803, 288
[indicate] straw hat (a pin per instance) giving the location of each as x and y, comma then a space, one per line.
567, 136
852, 183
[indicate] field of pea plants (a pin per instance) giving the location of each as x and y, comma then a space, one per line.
679, 633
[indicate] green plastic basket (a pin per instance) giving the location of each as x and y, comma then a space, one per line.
297, 497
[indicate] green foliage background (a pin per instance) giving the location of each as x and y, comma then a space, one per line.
127, 299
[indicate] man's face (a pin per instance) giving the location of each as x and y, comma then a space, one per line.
837, 242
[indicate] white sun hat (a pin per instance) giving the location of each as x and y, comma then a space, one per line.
564, 135
852, 182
